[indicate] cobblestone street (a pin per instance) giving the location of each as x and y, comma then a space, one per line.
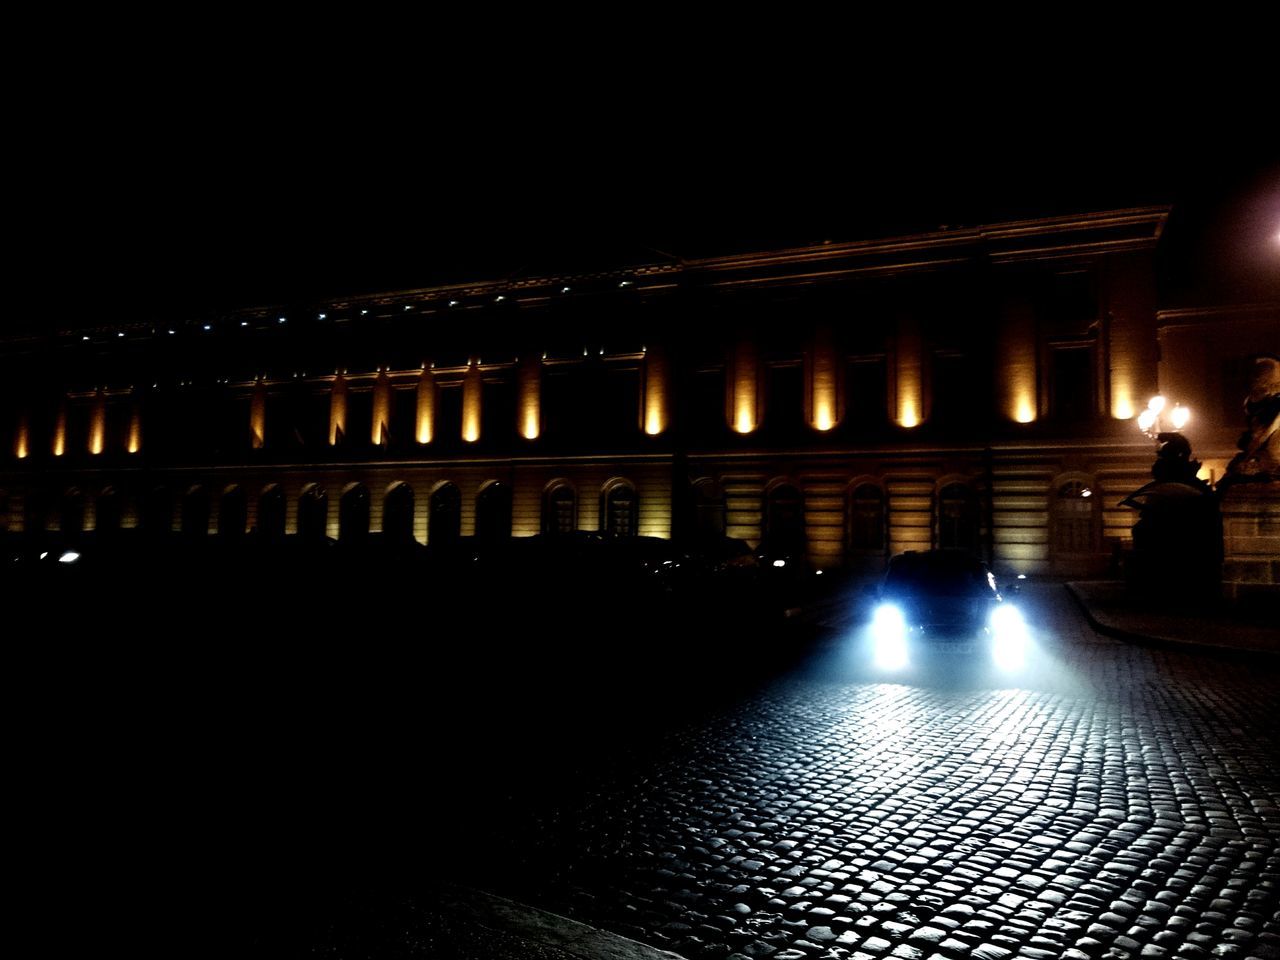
1122, 803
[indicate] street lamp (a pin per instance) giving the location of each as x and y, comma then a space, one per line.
1158, 415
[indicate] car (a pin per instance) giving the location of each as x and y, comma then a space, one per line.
940, 602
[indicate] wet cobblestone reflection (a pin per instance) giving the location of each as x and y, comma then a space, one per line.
1124, 807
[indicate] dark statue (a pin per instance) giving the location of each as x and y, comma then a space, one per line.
1259, 458
1177, 541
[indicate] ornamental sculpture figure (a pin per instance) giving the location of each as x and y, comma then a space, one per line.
1259, 456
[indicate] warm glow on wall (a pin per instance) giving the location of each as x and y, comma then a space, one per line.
821, 381
472, 385
60, 432
258, 416
744, 387
1016, 362
133, 443
337, 410
22, 439
910, 376
655, 392
98, 424
530, 425
424, 429
380, 432
1121, 399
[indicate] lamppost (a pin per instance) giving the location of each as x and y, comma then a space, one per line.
1158, 416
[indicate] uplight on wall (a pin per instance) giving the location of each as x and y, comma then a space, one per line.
472, 385
381, 409
744, 387
60, 432
133, 444
655, 392
424, 429
337, 410
530, 424
98, 424
22, 439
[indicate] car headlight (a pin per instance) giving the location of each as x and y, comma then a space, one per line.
889, 637
1009, 637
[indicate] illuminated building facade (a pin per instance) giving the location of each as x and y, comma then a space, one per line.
844, 402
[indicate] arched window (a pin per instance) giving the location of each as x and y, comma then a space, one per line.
157, 513
353, 514
493, 512
108, 512
271, 509
313, 513
559, 509
866, 519
784, 519
233, 512
708, 510
1075, 529
958, 518
195, 512
397, 514
444, 518
620, 509
71, 511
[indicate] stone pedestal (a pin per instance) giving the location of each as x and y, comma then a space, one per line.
1251, 542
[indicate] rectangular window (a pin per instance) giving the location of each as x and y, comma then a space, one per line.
784, 401
1071, 375
705, 409
867, 394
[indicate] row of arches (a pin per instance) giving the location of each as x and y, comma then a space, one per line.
1075, 517
198, 514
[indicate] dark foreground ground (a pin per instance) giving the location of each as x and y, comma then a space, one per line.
290, 766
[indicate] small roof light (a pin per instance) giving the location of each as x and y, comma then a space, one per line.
244, 323
281, 319
453, 303
208, 327
119, 333
779, 563
364, 313
323, 316
499, 298
564, 289
85, 337
625, 283
1022, 576
69, 557
171, 333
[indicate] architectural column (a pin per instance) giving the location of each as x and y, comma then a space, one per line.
822, 400
22, 436
472, 386
529, 385
1131, 341
338, 409
133, 442
258, 416
909, 373
743, 386
60, 430
425, 427
1016, 360
98, 423
656, 391
381, 421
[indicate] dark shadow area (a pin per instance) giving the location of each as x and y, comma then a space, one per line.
247, 728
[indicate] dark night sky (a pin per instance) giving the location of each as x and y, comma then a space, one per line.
138, 218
